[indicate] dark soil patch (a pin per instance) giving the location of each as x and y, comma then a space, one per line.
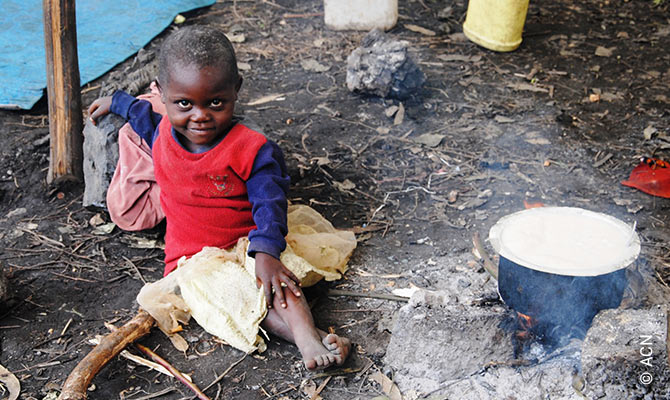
516, 127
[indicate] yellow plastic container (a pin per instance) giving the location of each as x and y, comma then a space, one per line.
496, 24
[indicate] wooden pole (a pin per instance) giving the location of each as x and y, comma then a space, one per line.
63, 91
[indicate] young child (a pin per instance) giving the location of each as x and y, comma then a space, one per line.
220, 180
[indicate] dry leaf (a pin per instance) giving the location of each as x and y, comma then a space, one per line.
527, 86
242, 66
267, 99
11, 382
17, 212
649, 132
389, 112
400, 115
538, 141
104, 229
418, 29
604, 51
388, 387
320, 160
312, 65
608, 96
309, 388
503, 120
430, 139
345, 186
96, 220
236, 37
138, 242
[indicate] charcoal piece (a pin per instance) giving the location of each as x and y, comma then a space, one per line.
383, 67
101, 153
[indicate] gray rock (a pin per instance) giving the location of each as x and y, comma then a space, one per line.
435, 341
383, 67
624, 348
101, 153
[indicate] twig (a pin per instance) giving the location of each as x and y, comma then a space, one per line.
318, 390
174, 371
218, 378
337, 372
157, 394
137, 270
66, 326
305, 15
337, 292
74, 278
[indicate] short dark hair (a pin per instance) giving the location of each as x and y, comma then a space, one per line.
200, 46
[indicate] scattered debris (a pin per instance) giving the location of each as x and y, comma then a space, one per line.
311, 64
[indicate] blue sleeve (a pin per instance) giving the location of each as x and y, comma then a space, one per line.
267, 188
139, 113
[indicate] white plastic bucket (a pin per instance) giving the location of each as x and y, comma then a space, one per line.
360, 14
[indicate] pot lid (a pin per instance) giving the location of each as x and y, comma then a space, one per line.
565, 241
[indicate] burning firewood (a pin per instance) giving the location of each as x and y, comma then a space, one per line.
81, 376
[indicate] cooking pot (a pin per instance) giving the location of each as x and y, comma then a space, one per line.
561, 265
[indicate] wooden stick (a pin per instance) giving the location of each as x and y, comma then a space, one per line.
218, 378
81, 376
489, 266
337, 292
174, 371
64, 96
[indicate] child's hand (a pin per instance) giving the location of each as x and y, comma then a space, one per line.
271, 273
99, 108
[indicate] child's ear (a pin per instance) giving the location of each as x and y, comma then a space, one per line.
160, 91
239, 84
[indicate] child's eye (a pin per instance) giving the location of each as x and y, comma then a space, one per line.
184, 103
217, 103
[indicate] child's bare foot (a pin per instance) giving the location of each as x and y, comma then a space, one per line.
316, 356
339, 346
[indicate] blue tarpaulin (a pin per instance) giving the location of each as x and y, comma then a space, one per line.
108, 32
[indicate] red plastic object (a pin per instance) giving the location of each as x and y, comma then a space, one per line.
650, 177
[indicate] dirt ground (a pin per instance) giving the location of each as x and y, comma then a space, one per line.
561, 121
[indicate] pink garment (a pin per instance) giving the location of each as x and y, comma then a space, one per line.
133, 197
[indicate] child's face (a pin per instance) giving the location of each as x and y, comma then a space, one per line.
200, 104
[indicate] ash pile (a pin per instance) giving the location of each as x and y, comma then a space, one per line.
458, 340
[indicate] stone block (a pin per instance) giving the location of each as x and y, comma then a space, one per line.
625, 355
101, 153
435, 340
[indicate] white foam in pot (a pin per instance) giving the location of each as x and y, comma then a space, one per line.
565, 241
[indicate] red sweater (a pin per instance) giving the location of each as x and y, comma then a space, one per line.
204, 196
